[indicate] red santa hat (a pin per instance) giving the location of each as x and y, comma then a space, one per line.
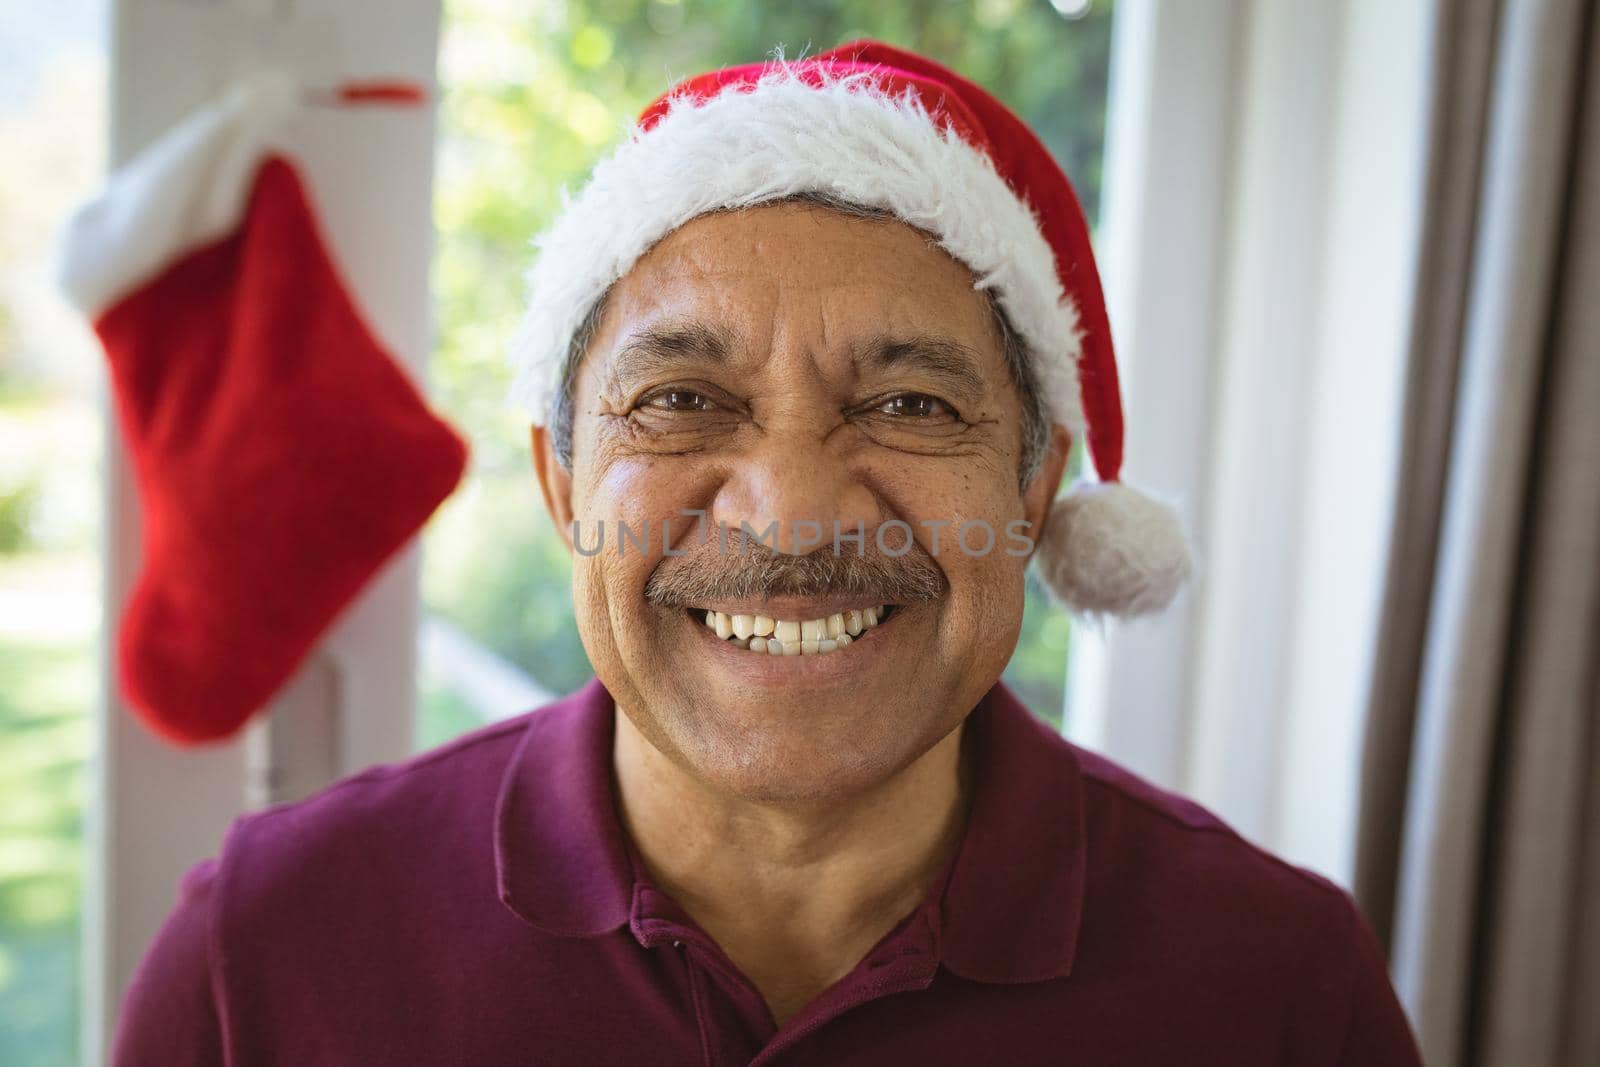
877, 126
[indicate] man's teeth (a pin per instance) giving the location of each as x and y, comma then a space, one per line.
786, 637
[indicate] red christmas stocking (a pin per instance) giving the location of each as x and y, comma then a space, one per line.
281, 455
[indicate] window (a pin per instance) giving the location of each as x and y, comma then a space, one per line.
532, 95
52, 118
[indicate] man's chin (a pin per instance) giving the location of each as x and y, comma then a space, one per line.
794, 728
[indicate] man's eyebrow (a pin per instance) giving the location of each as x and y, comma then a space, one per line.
940, 357
667, 346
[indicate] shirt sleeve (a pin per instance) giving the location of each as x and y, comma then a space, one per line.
1378, 1033
169, 1015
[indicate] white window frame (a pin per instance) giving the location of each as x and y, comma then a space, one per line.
1195, 195
1264, 188
154, 810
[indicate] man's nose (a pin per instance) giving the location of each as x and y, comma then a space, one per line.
793, 497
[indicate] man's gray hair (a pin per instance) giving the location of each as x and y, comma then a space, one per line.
1035, 416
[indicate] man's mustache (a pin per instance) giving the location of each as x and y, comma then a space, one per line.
742, 567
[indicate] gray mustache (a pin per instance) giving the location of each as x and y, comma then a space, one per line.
746, 568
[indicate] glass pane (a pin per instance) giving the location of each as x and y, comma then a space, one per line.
532, 95
52, 139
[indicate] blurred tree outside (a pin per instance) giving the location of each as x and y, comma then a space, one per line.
533, 94
52, 138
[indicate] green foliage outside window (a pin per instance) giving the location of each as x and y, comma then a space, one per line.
533, 95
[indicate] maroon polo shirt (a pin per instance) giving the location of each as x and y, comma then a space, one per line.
481, 904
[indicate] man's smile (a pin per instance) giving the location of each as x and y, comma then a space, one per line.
774, 636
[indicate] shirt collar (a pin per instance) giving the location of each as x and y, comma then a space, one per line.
1011, 903
1014, 902
560, 853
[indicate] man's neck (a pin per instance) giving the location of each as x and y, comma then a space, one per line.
794, 894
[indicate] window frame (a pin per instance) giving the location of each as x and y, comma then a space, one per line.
154, 810
1264, 198
1155, 695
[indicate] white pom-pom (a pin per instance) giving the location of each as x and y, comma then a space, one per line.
1108, 549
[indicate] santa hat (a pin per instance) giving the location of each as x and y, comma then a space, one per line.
281, 454
881, 127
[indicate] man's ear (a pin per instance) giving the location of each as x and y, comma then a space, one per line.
554, 482
1041, 492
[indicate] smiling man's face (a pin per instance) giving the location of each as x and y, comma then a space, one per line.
791, 365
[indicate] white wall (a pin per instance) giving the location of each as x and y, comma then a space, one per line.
1371, 228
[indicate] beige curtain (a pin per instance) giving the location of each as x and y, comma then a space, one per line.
1479, 850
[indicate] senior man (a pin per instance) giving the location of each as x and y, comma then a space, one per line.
805, 359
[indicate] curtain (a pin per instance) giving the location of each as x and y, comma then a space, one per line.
1479, 839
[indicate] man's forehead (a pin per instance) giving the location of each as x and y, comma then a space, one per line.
777, 249
726, 284
793, 229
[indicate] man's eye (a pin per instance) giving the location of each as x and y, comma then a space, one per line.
680, 400
915, 405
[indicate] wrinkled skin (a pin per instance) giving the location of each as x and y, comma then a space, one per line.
792, 422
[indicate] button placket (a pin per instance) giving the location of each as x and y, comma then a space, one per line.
906, 964
697, 999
